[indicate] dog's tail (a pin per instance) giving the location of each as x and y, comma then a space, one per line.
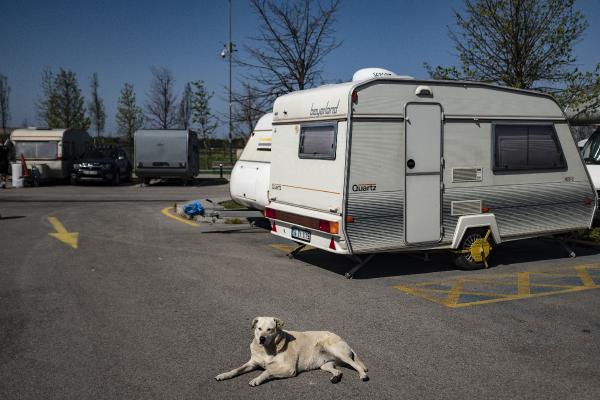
359, 361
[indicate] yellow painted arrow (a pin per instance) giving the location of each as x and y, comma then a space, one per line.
61, 234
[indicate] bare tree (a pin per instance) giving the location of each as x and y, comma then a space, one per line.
295, 37
184, 111
130, 116
4, 102
249, 106
161, 99
96, 107
520, 43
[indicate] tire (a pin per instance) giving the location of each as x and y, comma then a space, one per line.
146, 181
117, 179
74, 181
465, 261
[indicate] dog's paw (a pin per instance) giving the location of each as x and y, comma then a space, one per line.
254, 382
364, 378
221, 377
336, 378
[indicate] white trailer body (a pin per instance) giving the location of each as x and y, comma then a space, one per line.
249, 182
51, 151
590, 151
166, 153
393, 164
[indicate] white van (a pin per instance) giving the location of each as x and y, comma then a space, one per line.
397, 164
51, 151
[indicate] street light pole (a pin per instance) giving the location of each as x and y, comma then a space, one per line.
229, 55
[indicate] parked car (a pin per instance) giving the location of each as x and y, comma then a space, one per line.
102, 164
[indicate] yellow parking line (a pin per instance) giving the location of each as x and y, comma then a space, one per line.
585, 277
166, 212
463, 291
454, 294
517, 297
523, 284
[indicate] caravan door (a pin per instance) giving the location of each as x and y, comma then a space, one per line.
422, 206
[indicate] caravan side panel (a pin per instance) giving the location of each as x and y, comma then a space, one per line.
308, 183
527, 203
375, 197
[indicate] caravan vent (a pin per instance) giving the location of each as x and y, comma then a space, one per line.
465, 207
466, 175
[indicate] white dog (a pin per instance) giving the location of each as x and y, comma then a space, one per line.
283, 354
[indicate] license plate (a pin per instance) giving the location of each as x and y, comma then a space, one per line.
301, 234
90, 172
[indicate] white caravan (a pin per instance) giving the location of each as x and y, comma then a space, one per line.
591, 155
250, 176
51, 151
397, 164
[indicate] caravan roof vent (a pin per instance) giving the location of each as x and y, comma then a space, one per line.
370, 73
424, 91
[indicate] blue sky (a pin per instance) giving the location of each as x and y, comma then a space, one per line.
120, 40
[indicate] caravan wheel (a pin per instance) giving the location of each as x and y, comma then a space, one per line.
474, 250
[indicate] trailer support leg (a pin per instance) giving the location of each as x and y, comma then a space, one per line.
563, 244
361, 263
569, 251
297, 250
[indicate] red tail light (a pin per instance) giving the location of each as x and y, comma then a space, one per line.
332, 244
354, 97
270, 213
329, 227
274, 227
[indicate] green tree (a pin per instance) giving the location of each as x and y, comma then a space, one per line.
130, 117
4, 102
202, 117
44, 103
63, 105
96, 107
525, 44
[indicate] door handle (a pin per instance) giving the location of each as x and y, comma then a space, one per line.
410, 163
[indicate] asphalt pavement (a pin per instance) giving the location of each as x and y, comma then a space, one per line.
145, 306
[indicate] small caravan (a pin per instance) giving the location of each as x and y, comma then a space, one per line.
249, 183
590, 151
170, 153
51, 151
396, 164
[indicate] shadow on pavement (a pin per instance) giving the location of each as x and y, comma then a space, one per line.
399, 264
12, 217
196, 182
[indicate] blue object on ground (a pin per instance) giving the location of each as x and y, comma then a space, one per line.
193, 208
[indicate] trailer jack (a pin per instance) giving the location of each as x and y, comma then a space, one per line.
359, 265
298, 249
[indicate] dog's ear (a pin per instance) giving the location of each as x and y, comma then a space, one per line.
278, 323
254, 322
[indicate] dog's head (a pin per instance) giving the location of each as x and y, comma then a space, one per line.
266, 329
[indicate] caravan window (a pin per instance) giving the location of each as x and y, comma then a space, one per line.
37, 150
526, 147
318, 141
